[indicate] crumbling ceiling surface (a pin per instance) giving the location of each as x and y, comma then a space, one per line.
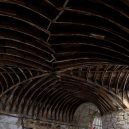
57, 54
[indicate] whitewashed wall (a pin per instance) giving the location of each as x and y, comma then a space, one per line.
8, 122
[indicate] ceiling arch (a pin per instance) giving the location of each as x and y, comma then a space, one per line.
56, 55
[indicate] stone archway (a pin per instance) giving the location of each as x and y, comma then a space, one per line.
86, 116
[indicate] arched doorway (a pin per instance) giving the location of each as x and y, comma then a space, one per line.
88, 116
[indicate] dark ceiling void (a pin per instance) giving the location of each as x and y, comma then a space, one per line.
58, 54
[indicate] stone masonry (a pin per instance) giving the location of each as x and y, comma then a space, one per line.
116, 120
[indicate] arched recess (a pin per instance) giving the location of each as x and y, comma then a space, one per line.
88, 115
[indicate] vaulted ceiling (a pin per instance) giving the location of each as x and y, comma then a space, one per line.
57, 54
